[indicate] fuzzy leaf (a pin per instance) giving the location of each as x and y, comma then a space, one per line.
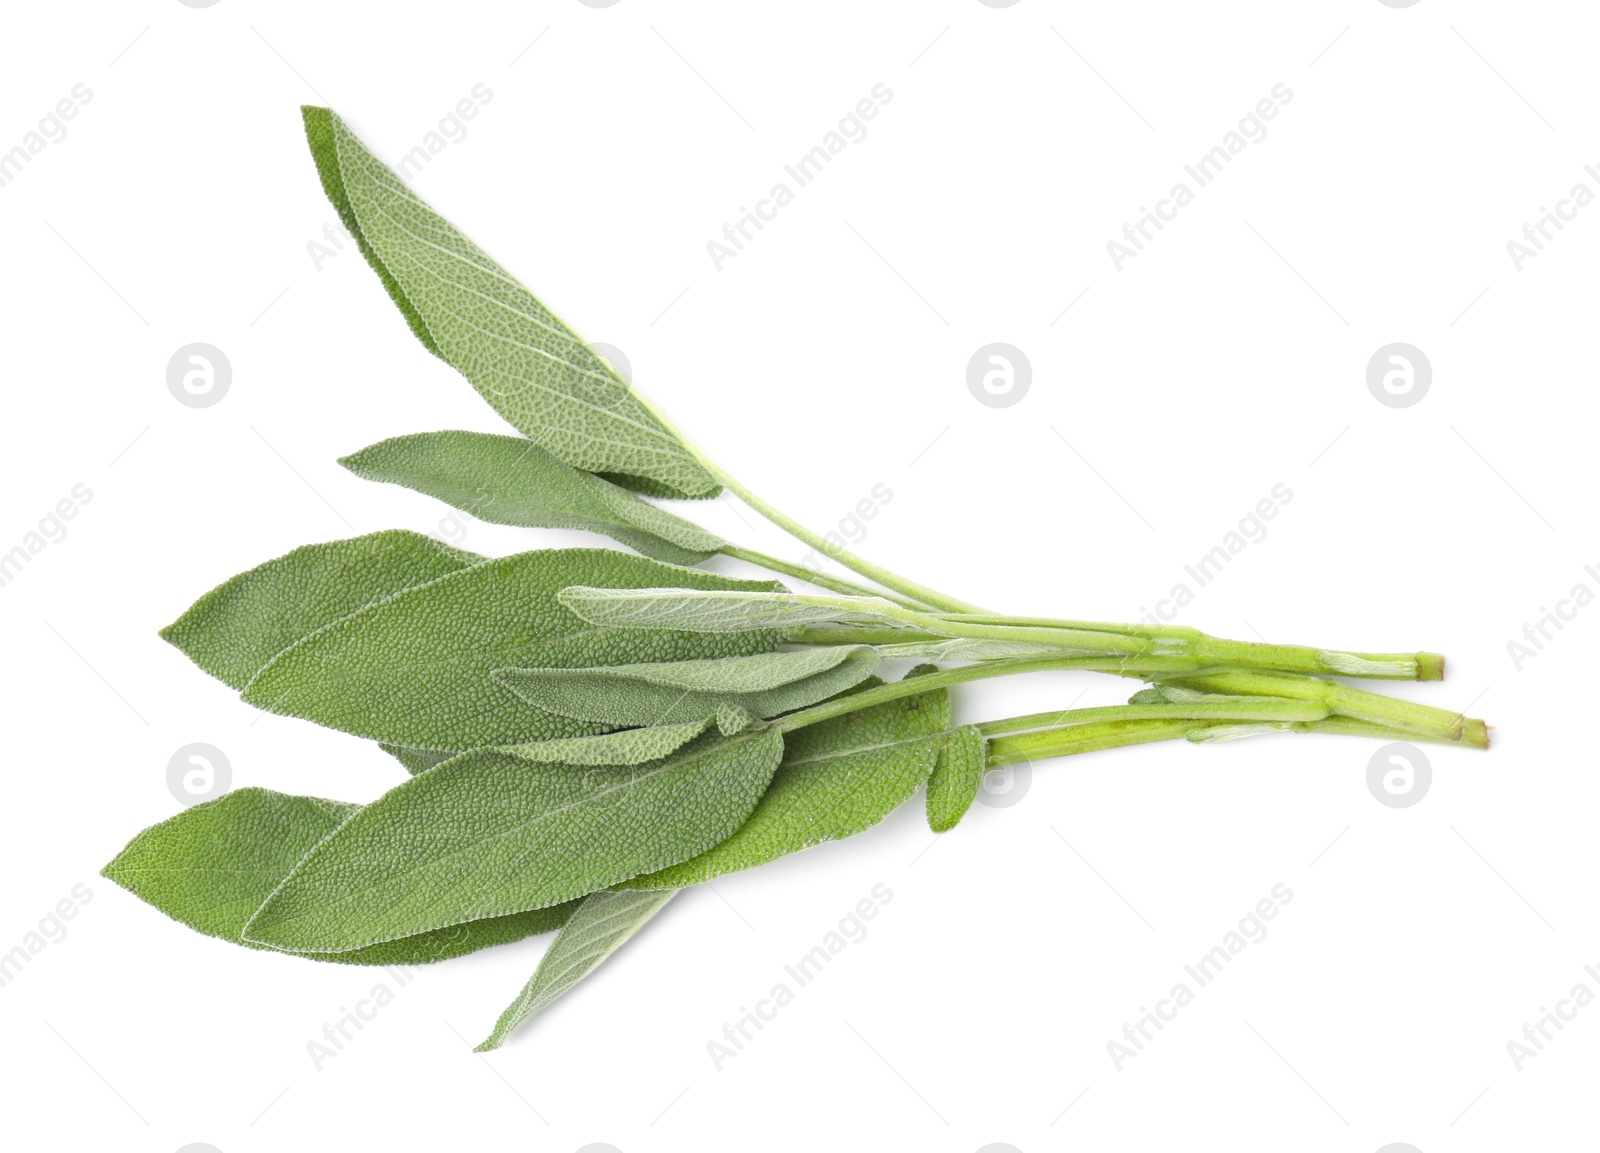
957, 777
416, 760
211, 866
414, 670
602, 923
522, 358
764, 685
489, 833
692, 611
630, 747
248, 619
962, 649
511, 480
838, 778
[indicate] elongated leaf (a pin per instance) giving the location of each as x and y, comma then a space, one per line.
414, 670
522, 358
630, 747
211, 866
765, 685
511, 480
838, 778
489, 833
602, 923
957, 777
962, 649
416, 760
248, 619
732, 612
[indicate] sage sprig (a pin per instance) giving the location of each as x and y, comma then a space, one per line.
587, 731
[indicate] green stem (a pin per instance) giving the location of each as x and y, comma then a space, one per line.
1250, 654
876, 573
912, 686
1088, 738
1232, 709
820, 579
1422, 720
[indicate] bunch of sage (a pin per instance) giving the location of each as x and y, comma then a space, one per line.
589, 730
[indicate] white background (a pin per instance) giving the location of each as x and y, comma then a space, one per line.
829, 357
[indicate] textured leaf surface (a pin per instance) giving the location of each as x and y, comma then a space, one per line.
838, 778
956, 778
631, 747
600, 926
247, 620
414, 670
722, 612
962, 649
521, 357
211, 867
416, 760
511, 480
489, 833
764, 685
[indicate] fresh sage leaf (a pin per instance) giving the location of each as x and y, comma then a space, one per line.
489, 833
957, 777
414, 669
961, 649
692, 611
211, 866
416, 760
248, 619
838, 778
764, 685
511, 480
629, 747
602, 923
522, 358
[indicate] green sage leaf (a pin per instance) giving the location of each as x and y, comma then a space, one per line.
489, 834
248, 619
630, 747
731, 612
838, 778
416, 760
522, 358
602, 923
764, 685
414, 669
957, 777
211, 866
511, 480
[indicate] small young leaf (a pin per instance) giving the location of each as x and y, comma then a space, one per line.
211, 866
248, 619
521, 357
956, 778
765, 685
838, 778
678, 608
511, 480
489, 833
602, 923
414, 670
630, 747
